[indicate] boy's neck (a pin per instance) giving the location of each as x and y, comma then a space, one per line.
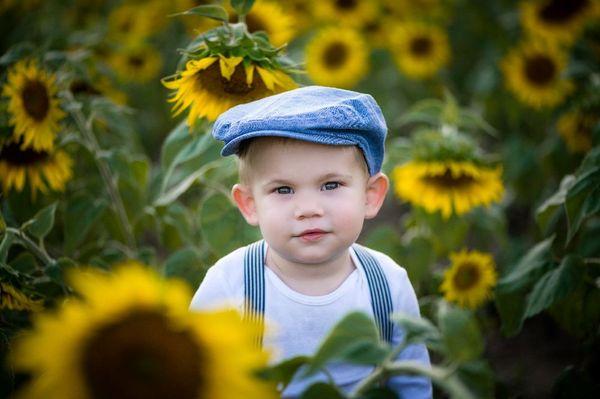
311, 279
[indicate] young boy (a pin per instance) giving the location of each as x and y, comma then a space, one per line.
310, 174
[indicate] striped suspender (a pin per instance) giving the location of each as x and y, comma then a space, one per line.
254, 285
254, 288
381, 298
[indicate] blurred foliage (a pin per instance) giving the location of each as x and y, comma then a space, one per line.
146, 186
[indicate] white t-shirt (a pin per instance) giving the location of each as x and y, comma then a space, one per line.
298, 323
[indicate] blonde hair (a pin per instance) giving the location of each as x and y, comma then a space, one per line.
249, 150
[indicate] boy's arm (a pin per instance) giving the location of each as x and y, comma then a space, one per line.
414, 387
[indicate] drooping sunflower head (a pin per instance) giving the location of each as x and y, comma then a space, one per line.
41, 170
138, 63
449, 187
337, 57
139, 341
355, 13
557, 20
33, 105
575, 127
211, 85
420, 50
470, 279
269, 17
534, 73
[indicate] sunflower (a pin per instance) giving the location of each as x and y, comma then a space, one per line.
337, 57
420, 50
138, 63
40, 169
33, 106
533, 72
301, 11
13, 299
575, 128
470, 278
140, 341
131, 23
451, 187
209, 88
557, 20
270, 17
431, 10
355, 13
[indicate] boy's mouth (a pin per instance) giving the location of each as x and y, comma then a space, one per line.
312, 234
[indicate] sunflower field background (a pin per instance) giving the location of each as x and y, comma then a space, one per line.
115, 199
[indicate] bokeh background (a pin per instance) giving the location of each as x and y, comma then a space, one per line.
492, 150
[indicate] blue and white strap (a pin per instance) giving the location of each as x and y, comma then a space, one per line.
254, 288
254, 285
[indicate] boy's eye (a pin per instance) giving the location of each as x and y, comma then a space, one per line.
332, 185
284, 190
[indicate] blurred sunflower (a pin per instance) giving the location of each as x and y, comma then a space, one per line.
270, 17
575, 127
377, 32
557, 20
138, 342
420, 50
425, 10
209, 88
33, 106
40, 169
301, 11
451, 187
533, 72
138, 63
13, 299
470, 279
337, 57
131, 23
354, 13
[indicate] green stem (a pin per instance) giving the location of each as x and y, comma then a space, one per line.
32, 246
109, 180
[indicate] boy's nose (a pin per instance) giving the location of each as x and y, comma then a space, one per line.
307, 208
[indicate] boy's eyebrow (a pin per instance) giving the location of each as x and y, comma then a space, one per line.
327, 176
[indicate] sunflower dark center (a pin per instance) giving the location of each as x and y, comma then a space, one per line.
421, 46
467, 276
142, 356
212, 81
14, 155
448, 180
136, 61
335, 55
540, 69
35, 99
346, 4
561, 11
254, 24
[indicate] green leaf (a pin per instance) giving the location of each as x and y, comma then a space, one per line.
81, 213
283, 372
460, 334
528, 268
2, 224
321, 390
25, 263
209, 11
42, 222
379, 393
546, 211
511, 307
222, 225
583, 200
417, 330
555, 285
242, 7
355, 330
187, 263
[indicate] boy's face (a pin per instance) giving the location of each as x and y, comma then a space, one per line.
309, 200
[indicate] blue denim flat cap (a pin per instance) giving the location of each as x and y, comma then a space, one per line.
317, 114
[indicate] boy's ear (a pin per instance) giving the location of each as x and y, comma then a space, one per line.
377, 187
243, 198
